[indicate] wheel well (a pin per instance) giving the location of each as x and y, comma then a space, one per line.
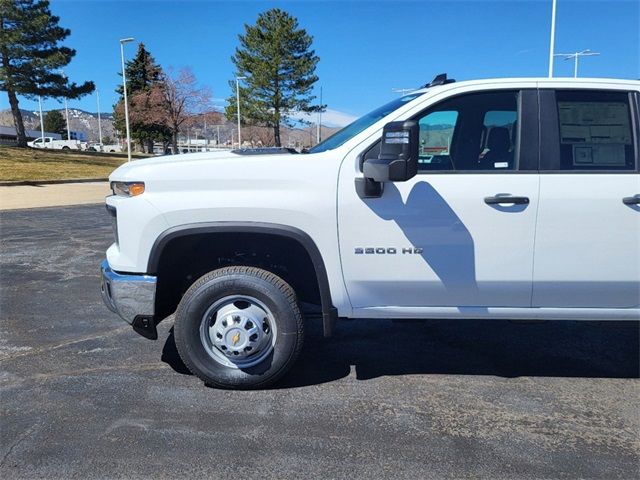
184, 259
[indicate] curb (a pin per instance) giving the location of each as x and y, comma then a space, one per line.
50, 182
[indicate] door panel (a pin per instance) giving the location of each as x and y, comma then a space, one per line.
442, 239
587, 251
587, 242
443, 245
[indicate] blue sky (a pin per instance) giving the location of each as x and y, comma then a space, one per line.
367, 48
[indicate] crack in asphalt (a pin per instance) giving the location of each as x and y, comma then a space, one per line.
18, 440
37, 351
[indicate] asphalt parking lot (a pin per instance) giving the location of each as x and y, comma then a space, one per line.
83, 396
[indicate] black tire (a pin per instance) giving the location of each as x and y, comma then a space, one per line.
260, 284
65, 148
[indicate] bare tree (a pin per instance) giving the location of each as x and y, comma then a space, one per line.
259, 136
182, 98
173, 103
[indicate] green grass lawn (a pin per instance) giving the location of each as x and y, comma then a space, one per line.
30, 164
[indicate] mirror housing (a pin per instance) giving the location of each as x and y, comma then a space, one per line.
398, 159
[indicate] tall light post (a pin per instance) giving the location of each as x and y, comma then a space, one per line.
319, 119
99, 120
124, 88
41, 120
238, 112
553, 37
66, 109
575, 56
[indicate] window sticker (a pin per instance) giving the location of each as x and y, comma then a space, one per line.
598, 155
594, 123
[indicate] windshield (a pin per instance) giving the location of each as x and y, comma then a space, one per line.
351, 130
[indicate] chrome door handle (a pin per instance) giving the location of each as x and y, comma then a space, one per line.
506, 199
635, 200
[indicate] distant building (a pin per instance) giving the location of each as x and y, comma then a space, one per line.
81, 136
8, 135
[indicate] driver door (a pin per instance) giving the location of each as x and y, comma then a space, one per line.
460, 233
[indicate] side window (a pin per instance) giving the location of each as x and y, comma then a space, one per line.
594, 131
505, 121
436, 132
473, 132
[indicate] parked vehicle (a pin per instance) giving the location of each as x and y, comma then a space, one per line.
112, 148
496, 199
54, 144
101, 147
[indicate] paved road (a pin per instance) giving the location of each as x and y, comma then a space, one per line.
82, 396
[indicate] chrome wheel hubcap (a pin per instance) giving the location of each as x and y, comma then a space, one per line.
238, 331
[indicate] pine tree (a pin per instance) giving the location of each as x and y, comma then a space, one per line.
142, 72
143, 75
54, 122
276, 58
31, 56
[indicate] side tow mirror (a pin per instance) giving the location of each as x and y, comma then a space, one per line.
398, 159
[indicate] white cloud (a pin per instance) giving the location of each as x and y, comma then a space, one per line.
330, 118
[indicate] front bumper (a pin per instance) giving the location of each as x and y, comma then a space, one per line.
131, 296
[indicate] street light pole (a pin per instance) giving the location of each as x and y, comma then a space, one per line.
553, 37
576, 56
66, 111
99, 120
66, 108
238, 112
319, 119
124, 87
41, 120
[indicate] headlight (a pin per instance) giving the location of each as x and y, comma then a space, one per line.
127, 189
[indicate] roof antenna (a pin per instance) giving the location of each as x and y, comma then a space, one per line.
440, 79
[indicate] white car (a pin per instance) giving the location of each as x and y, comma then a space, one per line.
496, 199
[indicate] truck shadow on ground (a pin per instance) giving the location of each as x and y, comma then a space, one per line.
502, 348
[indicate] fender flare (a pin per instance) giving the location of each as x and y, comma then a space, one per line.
329, 312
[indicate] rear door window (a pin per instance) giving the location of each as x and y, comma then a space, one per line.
595, 131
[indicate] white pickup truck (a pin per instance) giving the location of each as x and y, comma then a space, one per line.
496, 199
102, 147
56, 144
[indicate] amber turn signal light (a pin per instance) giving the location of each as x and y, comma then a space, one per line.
127, 189
136, 189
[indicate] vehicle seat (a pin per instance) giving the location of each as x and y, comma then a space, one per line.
499, 145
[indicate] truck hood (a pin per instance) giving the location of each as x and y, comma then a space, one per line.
211, 168
178, 158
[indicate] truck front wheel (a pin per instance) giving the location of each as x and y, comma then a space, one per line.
239, 327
